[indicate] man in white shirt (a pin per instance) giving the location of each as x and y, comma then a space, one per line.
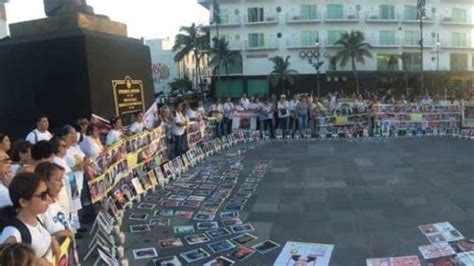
245, 101
41, 131
292, 109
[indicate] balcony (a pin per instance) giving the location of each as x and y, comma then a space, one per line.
456, 22
297, 18
229, 21
298, 43
375, 18
378, 43
267, 44
268, 19
346, 17
330, 44
235, 45
449, 44
410, 43
429, 19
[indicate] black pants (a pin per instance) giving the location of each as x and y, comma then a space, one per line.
268, 125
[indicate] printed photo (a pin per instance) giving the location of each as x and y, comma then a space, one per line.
265, 246
159, 222
167, 261
146, 206
221, 246
197, 239
238, 229
140, 228
183, 229
217, 233
170, 243
220, 261
194, 255
138, 216
241, 253
244, 239
144, 253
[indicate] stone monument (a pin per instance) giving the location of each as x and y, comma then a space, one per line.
58, 7
70, 65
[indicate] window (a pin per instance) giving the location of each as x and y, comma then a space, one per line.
412, 38
255, 14
308, 12
411, 61
387, 12
387, 37
224, 17
458, 62
459, 15
334, 36
459, 39
309, 38
256, 40
387, 62
335, 11
411, 13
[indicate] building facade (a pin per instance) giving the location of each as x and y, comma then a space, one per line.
165, 69
308, 29
3, 20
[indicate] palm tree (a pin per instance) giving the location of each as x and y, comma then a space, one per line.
355, 49
223, 57
281, 73
191, 39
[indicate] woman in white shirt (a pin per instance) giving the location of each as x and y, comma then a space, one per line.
92, 146
138, 125
283, 113
115, 134
55, 218
29, 195
5, 169
5, 143
20, 155
179, 128
70, 201
228, 110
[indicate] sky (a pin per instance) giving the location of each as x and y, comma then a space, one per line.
145, 18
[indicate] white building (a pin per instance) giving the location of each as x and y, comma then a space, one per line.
164, 68
3, 20
261, 29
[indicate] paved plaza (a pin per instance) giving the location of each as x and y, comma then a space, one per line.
366, 197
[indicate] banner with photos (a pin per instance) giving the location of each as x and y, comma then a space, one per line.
122, 158
342, 124
416, 119
468, 114
244, 120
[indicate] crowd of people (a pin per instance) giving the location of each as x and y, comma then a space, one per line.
43, 187
42, 183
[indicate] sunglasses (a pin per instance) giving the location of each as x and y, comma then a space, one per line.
6, 160
43, 195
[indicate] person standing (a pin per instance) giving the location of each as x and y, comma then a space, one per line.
138, 125
5, 144
5, 179
228, 110
179, 129
292, 109
115, 134
217, 113
20, 155
283, 113
267, 111
91, 145
29, 195
41, 131
302, 108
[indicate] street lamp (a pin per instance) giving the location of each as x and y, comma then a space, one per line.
421, 13
437, 55
316, 54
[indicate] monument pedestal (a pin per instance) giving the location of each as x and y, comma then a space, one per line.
67, 72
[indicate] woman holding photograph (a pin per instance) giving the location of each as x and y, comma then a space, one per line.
30, 198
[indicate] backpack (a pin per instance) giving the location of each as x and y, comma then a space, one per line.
20, 226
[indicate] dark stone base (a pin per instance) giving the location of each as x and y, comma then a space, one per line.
66, 76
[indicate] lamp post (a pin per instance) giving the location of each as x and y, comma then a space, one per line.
437, 55
316, 54
421, 13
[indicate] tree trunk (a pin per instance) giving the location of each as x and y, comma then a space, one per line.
228, 80
318, 84
354, 72
196, 69
406, 83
